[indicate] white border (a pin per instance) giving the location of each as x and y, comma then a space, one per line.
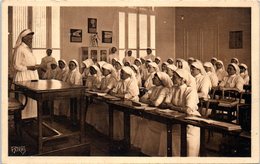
163, 3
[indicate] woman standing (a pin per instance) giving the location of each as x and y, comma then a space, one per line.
24, 65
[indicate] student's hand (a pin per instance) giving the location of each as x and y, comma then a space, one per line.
33, 68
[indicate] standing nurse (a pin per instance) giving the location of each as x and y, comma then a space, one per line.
24, 63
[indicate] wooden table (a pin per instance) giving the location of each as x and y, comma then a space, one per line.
49, 90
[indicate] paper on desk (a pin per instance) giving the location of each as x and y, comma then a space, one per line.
171, 112
111, 97
150, 108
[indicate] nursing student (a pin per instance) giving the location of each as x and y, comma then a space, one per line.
209, 68
244, 73
127, 88
24, 66
63, 70
184, 99
152, 68
233, 80
97, 114
149, 132
220, 70
203, 82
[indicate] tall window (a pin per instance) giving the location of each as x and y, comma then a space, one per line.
44, 22
136, 32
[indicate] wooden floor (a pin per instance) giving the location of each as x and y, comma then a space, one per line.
99, 144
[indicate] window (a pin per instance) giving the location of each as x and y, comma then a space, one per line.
136, 31
43, 21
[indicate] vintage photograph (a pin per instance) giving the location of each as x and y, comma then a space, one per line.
75, 35
92, 25
174, 82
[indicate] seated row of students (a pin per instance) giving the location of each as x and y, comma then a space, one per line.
187, 84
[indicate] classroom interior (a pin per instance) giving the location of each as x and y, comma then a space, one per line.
170, 32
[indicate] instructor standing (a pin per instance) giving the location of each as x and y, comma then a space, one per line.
24, 64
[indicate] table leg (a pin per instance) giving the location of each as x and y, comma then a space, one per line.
127, 128
111, 122
39, 113
82, 117
183, 140
169, 140
202, 142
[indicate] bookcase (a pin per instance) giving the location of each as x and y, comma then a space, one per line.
95, 53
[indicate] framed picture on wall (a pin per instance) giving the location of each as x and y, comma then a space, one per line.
235, 39
92, 25
107, 36
103, 55
75, 35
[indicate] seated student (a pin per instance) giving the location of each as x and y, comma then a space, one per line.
129, 57
202, 80
97, 114
191, 60
63, 71
114, 60
235, 61
100, 64
127, 63
74, 76
149, 54
170, 61
152, 68
85, 68
118, 67
183, 99
244, 73
220, 70
113, 55
170, 69
164, 66
209, 68
157, 60
214, 61
51, 71
45, 60
93, 81
182, 64
137, 74
149, 132
144, 70
233, 80
126, 88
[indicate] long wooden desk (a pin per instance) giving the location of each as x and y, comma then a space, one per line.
49, 90
128, 109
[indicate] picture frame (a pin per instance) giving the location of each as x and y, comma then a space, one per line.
103, 55
94, 55
75, 35
92, 25
107, 36
236, 39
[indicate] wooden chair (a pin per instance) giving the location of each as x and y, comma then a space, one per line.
229, 101
15, 107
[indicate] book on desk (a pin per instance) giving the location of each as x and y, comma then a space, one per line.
220, 124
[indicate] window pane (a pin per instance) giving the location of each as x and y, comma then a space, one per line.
55, 13
143, 30
20, 21
142, 53
39, 54
152, 24
132, 31
121, 30
134, 53
39, 26
121, 54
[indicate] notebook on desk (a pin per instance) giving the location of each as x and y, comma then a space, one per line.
169, 112
220, 124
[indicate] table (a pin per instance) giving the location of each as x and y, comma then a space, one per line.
127, 108
49, 90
